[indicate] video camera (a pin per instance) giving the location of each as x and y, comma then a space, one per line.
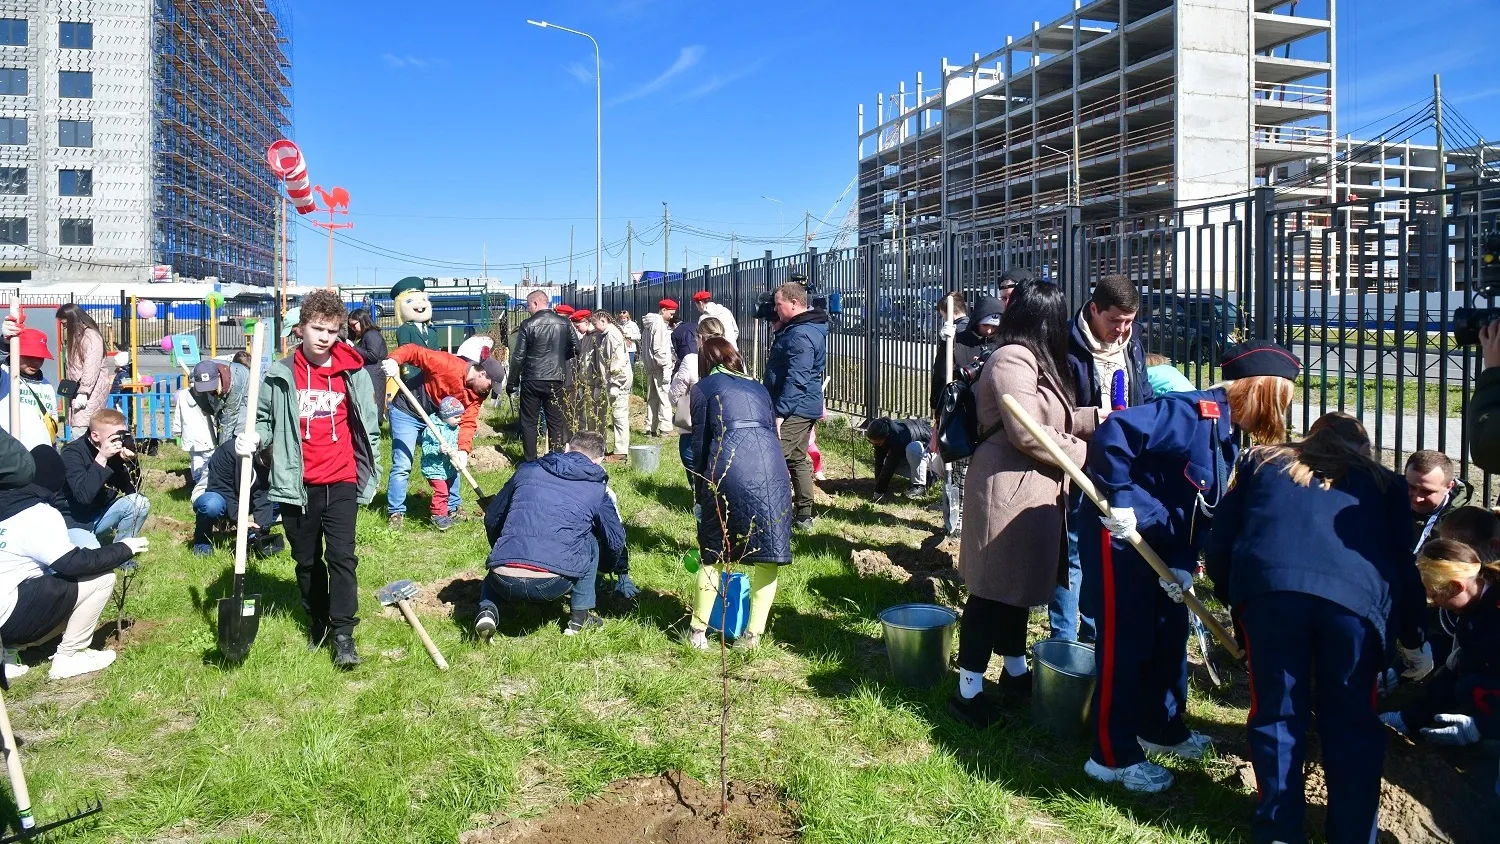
969, 372
1469, 320
765, 307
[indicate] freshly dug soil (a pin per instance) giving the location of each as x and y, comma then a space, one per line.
669, 809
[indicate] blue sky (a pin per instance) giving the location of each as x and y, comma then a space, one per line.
465, 131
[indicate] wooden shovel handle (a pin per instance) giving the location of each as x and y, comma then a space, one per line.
416, 624
1082, 481
417, 406
13, 767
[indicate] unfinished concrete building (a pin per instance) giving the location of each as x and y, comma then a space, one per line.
1120, 106
133, 135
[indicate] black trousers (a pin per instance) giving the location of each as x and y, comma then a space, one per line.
42, 604
990, 627
536, 397
322, 539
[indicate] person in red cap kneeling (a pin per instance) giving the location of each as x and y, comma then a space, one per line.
656, 340
707, 307
38, 397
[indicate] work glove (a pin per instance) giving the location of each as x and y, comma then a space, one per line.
82, 399
1387, 682
137, 544
946, 332
390, 368
1120, 522
1416, 663
1181, 582
1453, 730
460, 460
245, 443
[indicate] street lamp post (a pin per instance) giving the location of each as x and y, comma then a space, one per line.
1072, 172
598, 163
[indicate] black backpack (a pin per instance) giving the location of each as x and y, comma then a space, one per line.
958, 417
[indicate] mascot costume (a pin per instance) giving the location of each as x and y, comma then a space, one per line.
413, 313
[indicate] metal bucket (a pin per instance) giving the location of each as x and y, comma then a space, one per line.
1062, 686
919, 642
645, 458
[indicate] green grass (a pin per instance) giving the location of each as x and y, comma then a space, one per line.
283, 748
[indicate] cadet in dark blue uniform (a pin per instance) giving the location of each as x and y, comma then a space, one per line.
1163, 466
1312, 550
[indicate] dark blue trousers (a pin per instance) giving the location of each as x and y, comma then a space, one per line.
1307, 654
1140, 646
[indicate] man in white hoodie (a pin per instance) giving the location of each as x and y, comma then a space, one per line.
656, 340
703, 301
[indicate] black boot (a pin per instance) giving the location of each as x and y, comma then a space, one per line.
344, 655
980, 712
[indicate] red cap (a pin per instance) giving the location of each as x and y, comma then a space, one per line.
580, 315
34, 344
563, 310
702, 296
667, 303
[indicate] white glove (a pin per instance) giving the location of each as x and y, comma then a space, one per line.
390, 368
1416, 663
1181, 582
946, 332
460, 460
245, 443
1454, 730
81, 399
138, 544
1120, 522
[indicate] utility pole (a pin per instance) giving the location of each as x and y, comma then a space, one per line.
629, 249
666, 242
1442, 154
570, 254
731, 246
806, 229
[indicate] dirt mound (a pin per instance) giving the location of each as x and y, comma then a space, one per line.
928, 573
673, 809
459, 592
871, 563
160, 480
179, 530
488, 459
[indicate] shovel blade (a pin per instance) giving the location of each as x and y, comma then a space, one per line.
484, 501
239, 621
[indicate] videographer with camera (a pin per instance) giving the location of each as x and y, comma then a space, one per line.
1484, 407
99, 493
794, 378
973, 340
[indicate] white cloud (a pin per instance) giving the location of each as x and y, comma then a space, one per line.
578, 71
717, 81
687, 58
408, 60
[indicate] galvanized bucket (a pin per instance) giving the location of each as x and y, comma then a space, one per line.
919, 642
645, 458
1062, 686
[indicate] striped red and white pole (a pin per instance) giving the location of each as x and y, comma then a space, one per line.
288, 165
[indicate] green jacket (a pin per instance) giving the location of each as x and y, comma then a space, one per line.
276, 422
1484, 421
409, 332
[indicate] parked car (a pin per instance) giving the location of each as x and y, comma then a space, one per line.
1189, 328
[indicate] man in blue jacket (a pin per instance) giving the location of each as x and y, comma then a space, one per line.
794, 378
1102, 344
546, 527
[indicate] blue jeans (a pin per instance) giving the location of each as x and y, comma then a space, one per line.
1062, 610
405, 430
126, 517
685, 451
209, 508
540, 590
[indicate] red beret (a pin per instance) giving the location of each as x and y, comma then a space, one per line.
580, 315
702, 296
667, 303
564, 310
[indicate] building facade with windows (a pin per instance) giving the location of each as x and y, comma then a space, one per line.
133, 134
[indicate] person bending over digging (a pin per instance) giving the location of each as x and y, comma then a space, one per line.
546, 527
218, 493
901, 449
49, 585
317, 412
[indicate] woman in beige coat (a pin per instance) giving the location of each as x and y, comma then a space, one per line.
85, 363
1014, 548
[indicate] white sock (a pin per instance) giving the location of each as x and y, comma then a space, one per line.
970, 683
1015, 666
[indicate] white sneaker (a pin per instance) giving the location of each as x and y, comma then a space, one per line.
85, 661
1193, 749
13, 666
1142, 777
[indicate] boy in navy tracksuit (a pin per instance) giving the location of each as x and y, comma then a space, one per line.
1162, 467
1311, 550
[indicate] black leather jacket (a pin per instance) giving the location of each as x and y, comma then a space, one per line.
545, 343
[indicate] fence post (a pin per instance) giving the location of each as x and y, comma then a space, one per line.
872, 332
812, 268
1263, 280
734, 290
1070, 273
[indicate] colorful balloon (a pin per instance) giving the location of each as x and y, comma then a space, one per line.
166, 343
145, 310
147, 380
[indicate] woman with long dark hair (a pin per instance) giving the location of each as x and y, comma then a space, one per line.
741, 485
1014, 548
83, 363
1312, 551
366, 338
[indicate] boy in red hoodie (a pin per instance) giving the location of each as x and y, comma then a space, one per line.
317, 411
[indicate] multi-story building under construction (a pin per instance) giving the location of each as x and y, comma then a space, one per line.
1129, 106
133, 135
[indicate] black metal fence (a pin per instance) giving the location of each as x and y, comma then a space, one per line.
1362, 291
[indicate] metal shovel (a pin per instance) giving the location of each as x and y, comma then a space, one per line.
239, 614
399, 594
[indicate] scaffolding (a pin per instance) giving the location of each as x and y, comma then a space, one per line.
223, 93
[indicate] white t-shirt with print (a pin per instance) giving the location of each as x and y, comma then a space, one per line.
30, 541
